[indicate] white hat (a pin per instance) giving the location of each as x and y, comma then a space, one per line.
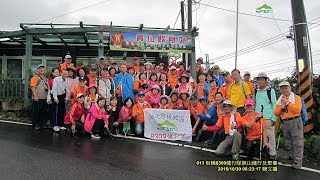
227, 102
148, 63
284, 83
246, 73
261, 75
67, 56
79, 95
173, 67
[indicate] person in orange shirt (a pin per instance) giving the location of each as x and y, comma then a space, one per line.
202, 88
184, 97
67, 64
231, 122
195, 108
199, 69
288, 108
228, 81
138, 114
140, 86
175, 101
246, 78
213, 90
181, 69
173, 77
253, 121
80, 88
92, 76
164, 102
192, 81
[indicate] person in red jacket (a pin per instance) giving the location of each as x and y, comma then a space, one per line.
231, 122
75, 117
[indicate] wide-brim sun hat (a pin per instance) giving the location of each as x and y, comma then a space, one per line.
185, 76
155, 87
165, 97
184, 91
227, 102
261, 75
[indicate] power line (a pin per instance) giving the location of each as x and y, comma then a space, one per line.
86, 7
176, 19
203, 12
228, 10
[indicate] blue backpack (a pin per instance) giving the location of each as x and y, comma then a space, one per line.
304, 113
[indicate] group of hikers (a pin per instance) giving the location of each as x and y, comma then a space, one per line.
226, 109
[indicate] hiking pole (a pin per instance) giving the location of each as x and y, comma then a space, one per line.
279, 131
261, 133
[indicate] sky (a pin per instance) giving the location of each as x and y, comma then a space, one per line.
216, 27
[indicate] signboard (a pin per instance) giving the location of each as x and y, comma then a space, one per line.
163, 124
150, 42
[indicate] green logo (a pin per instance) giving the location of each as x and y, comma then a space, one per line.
167, 126
265, 9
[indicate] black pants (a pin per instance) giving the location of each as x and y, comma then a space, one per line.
79, 127
98, 127
119, 102
252, 148
58, 111
39, 112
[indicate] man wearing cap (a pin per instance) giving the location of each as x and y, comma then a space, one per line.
217, 76
239, 91
61, 95
40, 88
101, 64
265, 96
92, 76
67, 64
246, 78
231, 122
288, 108
138, 114
199, 69
173, 76
80, 88
105, 85
123, 85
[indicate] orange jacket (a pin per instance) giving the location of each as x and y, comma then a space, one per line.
292, 110
137, 111
224, 121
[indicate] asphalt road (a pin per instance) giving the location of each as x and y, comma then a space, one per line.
29, 154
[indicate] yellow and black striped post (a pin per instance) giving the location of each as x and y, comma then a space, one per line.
305, 91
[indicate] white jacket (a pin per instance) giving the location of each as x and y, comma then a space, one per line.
104, 89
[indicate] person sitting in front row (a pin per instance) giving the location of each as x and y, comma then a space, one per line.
231, 122
138, 114
75, 117
96, 122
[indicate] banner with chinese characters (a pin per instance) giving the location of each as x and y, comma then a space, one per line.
150, 42
163, 124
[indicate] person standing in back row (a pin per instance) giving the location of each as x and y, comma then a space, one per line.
289, 109
61, 94
39, 87
239, 91
265, 96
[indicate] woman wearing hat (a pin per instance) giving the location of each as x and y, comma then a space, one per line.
164, 102
91, 97
184, 84
75, 117
184, 98
153, 96
231, 122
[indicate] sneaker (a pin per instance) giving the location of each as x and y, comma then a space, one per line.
288, 161
56, 128
296, 165
236, 157
62, 128
37, 127
95, 136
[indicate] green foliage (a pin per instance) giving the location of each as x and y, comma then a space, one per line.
11, 100
312, 146
27, 107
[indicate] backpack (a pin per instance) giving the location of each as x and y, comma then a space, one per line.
268, 93
304, 113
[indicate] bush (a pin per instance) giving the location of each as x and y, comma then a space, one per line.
312, 146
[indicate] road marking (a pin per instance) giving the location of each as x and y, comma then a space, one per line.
170, 143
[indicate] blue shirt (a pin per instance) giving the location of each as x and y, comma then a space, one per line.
261, 98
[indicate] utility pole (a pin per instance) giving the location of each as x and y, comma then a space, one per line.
237, 30
191, 57
183, 28
302, 46
207, 63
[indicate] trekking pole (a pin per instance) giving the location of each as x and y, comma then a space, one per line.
261, 133
279, 131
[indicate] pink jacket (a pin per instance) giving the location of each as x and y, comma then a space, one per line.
92, 115
152, 99
124, 115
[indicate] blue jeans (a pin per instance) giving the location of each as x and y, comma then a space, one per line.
139, 129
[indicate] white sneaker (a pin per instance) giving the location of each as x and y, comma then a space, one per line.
95, 136
62, 128
56, 128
